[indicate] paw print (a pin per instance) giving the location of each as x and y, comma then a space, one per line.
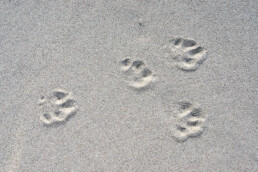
58, 107
187, 54
136, 73
189, 122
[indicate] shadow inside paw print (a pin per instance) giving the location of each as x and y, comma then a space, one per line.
137, 75
58, 107
189, 122
187, 54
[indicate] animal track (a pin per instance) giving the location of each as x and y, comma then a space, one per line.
189, 123
137, 74
57, 107
187, 53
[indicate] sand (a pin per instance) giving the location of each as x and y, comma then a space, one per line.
128, 85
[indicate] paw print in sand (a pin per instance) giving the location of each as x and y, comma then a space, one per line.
58, 107
186, 53
189, 122
137, 75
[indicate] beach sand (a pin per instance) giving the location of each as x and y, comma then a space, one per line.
128, 85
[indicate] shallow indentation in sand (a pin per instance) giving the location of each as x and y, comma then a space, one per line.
187, 54
189, 122
58, 107
137, 74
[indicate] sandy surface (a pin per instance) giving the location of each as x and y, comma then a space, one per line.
128, 85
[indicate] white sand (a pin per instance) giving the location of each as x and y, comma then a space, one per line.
166, 109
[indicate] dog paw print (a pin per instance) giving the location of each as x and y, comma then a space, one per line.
189, 122
137, 75
186, 53
58, 107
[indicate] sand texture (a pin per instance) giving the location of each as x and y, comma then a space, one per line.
128, 85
